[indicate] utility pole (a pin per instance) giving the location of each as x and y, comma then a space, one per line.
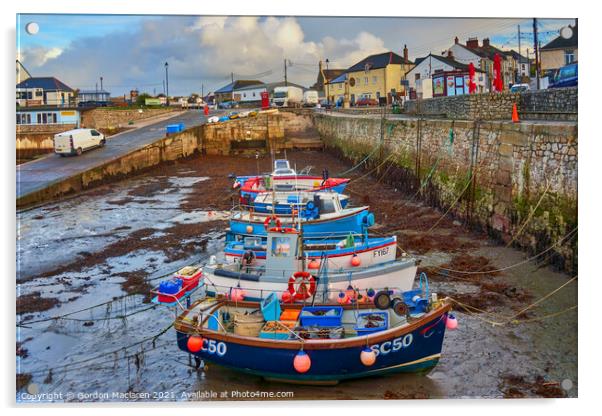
285, 79
535, 45
520, 57
101, 83
232, 76
166, 84
202, 90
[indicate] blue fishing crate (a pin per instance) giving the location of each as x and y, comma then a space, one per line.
364, 318
321, 315
270, 307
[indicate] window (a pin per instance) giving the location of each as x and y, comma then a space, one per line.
253, 94
281, 246
47, 118
327, 206
569, 56
365, 80
340, 86
417, 77
374, 80
23, 118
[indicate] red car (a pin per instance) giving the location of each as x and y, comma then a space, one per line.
365, 102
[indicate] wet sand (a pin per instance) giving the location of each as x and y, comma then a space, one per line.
116, 241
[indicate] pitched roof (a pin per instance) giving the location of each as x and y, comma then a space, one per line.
380, 60
237, 84
339, 79
515, 55
46, 83
330, 74
270, 86
561, 42
447, 60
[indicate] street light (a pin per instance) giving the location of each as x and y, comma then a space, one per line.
166, 83
327, 83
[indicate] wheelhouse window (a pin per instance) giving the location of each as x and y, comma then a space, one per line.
281, 246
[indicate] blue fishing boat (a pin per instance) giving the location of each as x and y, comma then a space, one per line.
320, 216
285, 203
321, 344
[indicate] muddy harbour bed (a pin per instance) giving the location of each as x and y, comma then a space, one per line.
106, 248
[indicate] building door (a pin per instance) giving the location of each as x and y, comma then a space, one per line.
352, 99
460, 85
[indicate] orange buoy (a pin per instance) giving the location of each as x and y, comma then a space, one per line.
249, 229
314, 264
355, 261
194, 344
368, 357
287, 297
302, 362
515, 114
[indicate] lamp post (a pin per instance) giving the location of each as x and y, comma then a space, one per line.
166, 83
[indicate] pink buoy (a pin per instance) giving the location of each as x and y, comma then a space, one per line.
302, 362
451, 322
194, 344
368, 357
237, 295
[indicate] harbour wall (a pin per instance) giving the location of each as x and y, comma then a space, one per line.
516, 181
551, 104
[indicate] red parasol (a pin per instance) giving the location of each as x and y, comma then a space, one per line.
497, 71
472, 87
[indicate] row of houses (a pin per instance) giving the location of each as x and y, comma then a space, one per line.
387, 76
248, 92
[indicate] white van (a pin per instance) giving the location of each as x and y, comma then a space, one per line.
74, 142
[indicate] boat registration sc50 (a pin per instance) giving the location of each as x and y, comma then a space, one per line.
392, 346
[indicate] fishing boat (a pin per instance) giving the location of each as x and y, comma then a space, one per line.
285, 269
324, 214
347, 253
284, 203
285, 179
319, 344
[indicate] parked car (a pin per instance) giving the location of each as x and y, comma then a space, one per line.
77, 141
324, 103
520, 88
362, 102
226, 104
565, 77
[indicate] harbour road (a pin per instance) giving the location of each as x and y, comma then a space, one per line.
39, 174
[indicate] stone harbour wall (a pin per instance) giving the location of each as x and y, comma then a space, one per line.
550, 104
516, 181
112, 118
33, 140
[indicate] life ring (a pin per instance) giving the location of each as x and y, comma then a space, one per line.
248, 258
268, 221
302, 285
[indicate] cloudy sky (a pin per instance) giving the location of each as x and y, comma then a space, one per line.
130, 51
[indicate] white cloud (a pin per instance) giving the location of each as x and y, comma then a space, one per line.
199, 50
37, 56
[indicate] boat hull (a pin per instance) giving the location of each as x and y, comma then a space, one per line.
417, 349
400, 276
352, 222
297, 183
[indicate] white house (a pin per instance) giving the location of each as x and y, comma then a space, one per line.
434, 66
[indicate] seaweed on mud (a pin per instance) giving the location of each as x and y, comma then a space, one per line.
34, 302
23, 380
513, 386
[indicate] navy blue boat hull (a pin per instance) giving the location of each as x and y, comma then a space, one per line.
415, 351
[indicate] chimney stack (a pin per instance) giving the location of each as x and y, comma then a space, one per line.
486, 42
456, 40
472, 43
450, 54
405, 54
